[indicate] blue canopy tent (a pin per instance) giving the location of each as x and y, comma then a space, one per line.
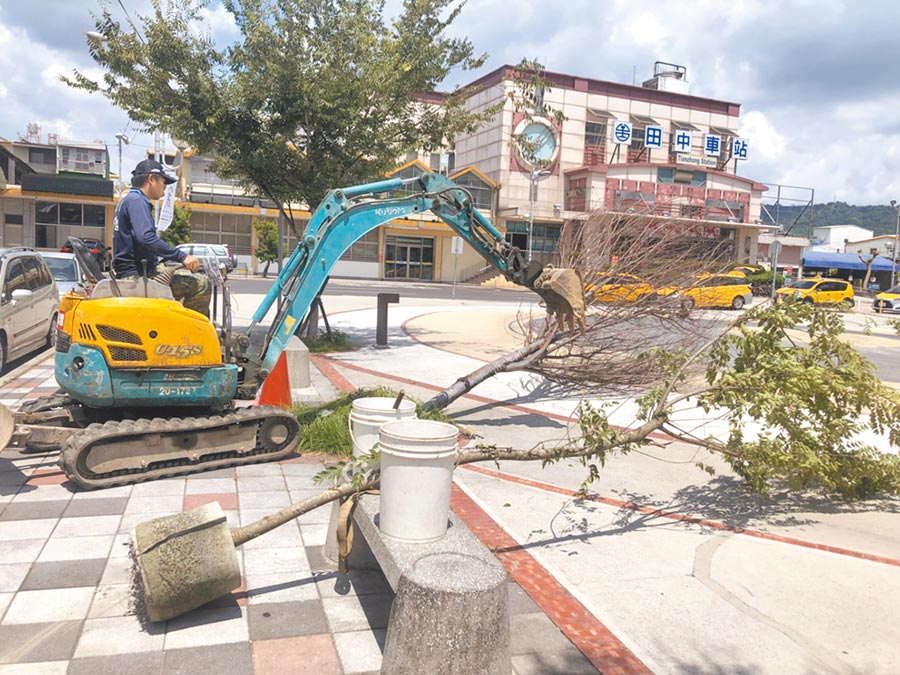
844, 261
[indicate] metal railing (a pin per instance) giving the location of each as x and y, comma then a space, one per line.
472, 271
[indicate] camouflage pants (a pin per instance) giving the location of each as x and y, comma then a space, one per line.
193, 290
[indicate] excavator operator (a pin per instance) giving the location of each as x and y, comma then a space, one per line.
137, 248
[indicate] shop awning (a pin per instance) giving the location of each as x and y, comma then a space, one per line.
844, 261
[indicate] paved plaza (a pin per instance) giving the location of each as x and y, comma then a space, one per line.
664, 569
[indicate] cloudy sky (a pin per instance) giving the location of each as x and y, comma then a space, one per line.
816, 79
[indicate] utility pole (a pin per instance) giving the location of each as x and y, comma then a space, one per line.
532, 197
122, 138
896, 256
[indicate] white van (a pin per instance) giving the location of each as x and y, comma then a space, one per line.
28, 303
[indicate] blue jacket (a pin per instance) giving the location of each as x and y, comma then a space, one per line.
135, 239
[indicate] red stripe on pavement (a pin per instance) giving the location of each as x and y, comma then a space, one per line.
593, 639
680, 517
47, 477
323, 363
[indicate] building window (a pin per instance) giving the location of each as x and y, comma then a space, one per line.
364, 249
231, 230
412, 171
70, 214
545, 238
47, 212
94, 215
636, 151
634, 201
595, 130
55, 222
13, 219
728, 137
673, 134
679, 176
208, 188
443, 162
82, 160
482, 193
576, 194
42, 156
409, 258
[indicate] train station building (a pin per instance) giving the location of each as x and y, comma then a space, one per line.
654, 150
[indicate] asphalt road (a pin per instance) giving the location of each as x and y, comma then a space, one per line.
882, 353
410, 289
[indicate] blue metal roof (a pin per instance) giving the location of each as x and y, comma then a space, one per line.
844, 261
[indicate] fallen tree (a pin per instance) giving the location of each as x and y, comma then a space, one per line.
811, 402
783, 370
783, 367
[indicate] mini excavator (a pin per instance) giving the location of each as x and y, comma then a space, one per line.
148, 387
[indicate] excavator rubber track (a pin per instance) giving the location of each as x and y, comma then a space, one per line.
132, 451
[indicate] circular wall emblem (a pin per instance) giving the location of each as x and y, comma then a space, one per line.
536, 142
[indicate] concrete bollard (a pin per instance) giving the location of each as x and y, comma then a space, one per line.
381, 317
297, 355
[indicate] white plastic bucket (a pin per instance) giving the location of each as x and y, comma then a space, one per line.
368, 414
417, 460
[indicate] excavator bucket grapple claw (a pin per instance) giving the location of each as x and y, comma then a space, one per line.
563, 293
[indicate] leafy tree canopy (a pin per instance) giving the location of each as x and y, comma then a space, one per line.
266, 239
179, 231
314, 94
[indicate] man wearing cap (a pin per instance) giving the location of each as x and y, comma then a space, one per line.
137, 248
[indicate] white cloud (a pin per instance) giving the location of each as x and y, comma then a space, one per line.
809, 74
219, 23
766, 141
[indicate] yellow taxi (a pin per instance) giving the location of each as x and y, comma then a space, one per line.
713, 290
887, 301
611, 287
818, 290
746, 270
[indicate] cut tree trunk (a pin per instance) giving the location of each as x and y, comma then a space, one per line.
515, 360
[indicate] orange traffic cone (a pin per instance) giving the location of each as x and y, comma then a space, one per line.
276, 388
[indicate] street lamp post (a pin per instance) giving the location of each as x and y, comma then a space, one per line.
122, 138
896, 255
532, 196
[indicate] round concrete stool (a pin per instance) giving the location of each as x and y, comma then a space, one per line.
450, 615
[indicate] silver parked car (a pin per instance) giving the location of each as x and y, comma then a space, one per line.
217, 251
66, 270
29, 303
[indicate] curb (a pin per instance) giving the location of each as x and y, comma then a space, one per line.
31, 363
586, 633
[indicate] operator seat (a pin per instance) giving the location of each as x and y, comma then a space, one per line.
132, 288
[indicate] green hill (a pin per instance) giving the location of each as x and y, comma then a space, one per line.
879, 219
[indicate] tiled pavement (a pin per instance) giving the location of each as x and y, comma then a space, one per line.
65, 603
33, 382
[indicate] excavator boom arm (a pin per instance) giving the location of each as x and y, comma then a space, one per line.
346, 215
